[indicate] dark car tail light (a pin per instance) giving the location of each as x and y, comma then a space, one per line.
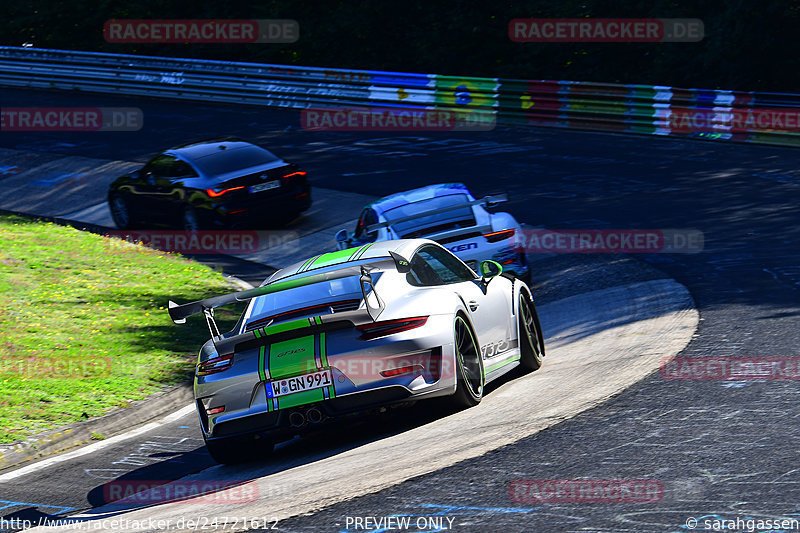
390, 327
217, 364
213, 194
300, 173
497, 236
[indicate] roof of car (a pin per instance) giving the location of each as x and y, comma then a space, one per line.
346, 258
415, 195
196, 150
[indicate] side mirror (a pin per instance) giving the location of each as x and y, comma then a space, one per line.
490, 270
342, 239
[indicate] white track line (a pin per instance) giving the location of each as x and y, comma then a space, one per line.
40, 465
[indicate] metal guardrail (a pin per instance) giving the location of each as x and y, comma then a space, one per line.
656, 110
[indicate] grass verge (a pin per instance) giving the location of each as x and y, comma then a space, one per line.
84, 326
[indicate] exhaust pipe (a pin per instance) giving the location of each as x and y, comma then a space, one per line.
297, 419
314, 415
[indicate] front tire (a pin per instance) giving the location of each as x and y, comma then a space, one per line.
120, 211
240, 449
190, 219
531, 346
470, 378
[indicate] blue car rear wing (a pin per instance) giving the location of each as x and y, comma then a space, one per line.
486, 201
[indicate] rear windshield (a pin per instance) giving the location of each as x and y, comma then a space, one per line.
299, 297
232, 160
461, 217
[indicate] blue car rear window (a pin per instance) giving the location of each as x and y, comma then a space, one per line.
457, 218
233, 160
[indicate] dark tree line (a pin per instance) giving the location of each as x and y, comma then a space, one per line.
748, 44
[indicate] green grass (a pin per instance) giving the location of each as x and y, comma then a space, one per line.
84, 326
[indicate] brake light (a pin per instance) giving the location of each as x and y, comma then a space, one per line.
400, 371
213, 194
499, 235
294, 174
216, 410
217, 364
389, 327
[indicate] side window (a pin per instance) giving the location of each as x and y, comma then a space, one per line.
160, 167
368, 217
182, 169
433, 266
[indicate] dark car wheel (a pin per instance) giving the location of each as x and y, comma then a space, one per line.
240, 449
530, 342
470, 378
190, 219
120, 211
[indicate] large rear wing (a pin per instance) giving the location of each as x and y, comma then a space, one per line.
374, 306
486, 201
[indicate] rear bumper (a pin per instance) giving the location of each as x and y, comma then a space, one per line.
248, 212
358, 383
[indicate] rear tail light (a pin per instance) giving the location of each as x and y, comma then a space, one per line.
213, 194
217, 364
390, 327
402, 370
294, 174
216, 410
499, 235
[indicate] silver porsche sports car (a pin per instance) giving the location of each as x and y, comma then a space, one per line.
354, 330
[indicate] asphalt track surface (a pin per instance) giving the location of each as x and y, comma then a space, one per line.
724, 449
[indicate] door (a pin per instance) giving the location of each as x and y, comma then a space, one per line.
487, 303
152, 190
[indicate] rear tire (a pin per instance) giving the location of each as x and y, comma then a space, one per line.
470, 377
531, 346
237, 450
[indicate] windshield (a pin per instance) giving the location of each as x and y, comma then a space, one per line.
234, 159
307, 296
461, 217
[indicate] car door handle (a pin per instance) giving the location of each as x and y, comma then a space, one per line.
473, 305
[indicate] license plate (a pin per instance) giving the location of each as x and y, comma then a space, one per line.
315, 380
266, 186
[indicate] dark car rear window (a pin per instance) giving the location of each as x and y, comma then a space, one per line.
234, 159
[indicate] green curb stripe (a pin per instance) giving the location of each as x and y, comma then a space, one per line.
502, 363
